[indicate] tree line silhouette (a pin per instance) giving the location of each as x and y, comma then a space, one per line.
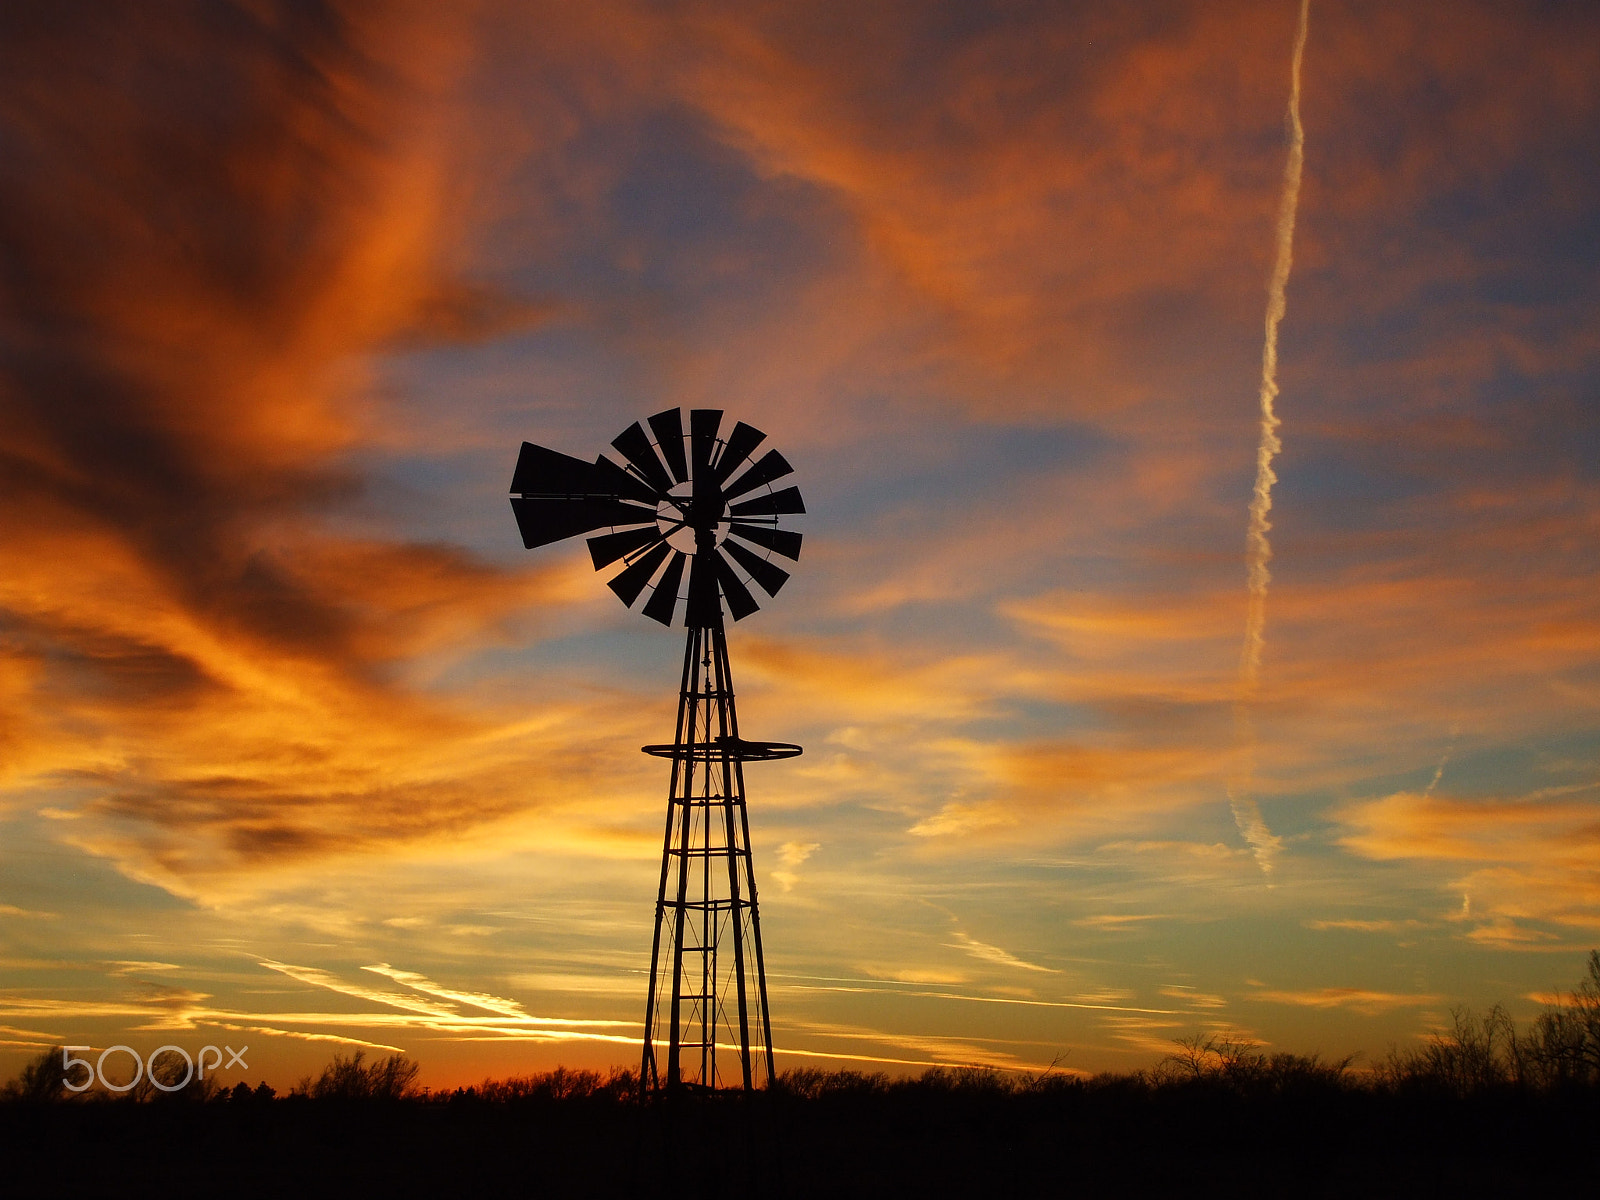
1485, 1107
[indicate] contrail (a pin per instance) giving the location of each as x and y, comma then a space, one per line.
1246, 815
1438, 772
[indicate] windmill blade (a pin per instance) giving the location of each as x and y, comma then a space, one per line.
619, 483
668, 428
664, 600
705, 606
609, 547
775, 504
779, 541
633, 444
740, 602
703, 426
772, 466
768, 574
630, 582
544, 472
546, 519
741, 442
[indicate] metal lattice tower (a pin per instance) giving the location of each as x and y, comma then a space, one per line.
676, 505
708, 982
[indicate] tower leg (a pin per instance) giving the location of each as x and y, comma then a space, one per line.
648, 1076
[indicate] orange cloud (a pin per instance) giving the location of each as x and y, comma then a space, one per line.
218, 217
1515, 864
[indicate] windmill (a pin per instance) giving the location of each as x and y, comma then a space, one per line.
704, 503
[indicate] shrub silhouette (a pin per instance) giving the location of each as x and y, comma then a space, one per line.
41, 1080
353, 1078
810, 1083
169, 1070
1483, 1109
1221, 1059
559, 1084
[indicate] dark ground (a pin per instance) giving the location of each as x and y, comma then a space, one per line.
1070, 1140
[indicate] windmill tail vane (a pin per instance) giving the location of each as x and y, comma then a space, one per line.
699, 504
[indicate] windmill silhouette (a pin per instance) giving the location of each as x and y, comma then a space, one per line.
702, 502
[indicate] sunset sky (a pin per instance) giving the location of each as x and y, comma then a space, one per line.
300, 749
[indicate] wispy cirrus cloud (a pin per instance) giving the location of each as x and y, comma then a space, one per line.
994, 954
1359, 925
421, 983
1361, 1000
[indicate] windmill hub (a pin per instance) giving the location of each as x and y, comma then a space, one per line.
702, 505
683, 518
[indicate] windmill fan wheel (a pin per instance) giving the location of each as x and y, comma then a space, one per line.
694, 503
